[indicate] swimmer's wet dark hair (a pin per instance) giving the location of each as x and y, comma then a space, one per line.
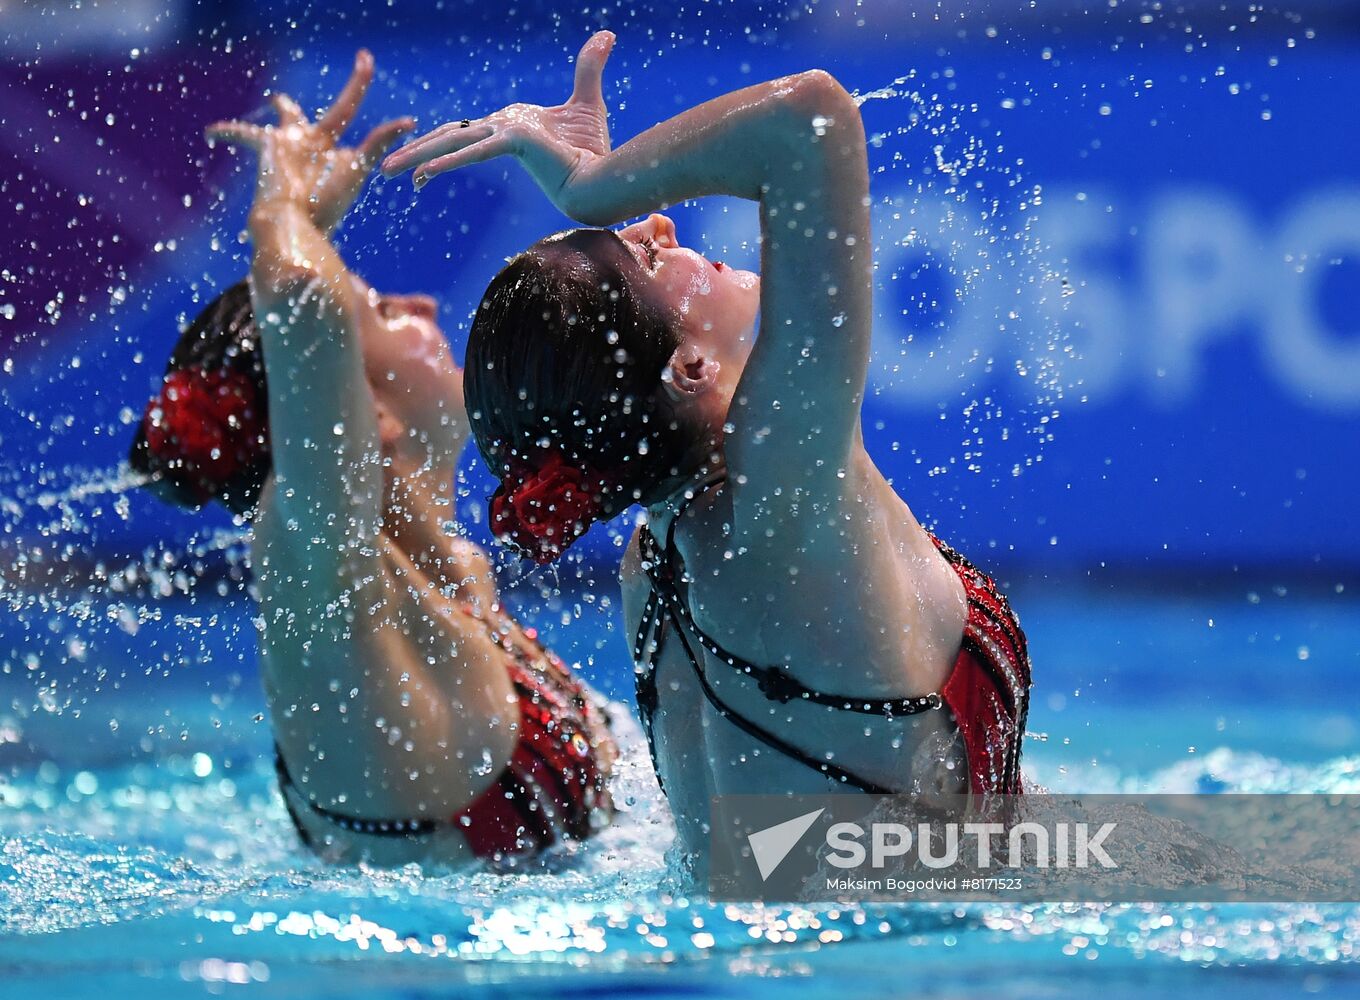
205, 436
563, 370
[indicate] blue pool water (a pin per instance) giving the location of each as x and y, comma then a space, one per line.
143, 846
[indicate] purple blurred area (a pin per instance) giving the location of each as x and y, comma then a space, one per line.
104, 165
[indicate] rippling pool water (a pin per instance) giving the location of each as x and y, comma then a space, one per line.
144, 850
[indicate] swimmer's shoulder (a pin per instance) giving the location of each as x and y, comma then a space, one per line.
704, 540
634, 585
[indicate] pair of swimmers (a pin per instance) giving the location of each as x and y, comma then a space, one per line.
796, 629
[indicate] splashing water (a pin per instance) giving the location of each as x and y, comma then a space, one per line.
137, 817
197, 847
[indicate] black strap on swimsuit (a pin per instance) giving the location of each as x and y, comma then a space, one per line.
665, 601
372, 827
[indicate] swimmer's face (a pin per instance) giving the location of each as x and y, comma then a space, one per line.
715, 304
417, 385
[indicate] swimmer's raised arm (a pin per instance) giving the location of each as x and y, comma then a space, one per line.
727, 146
797, 146
309, 309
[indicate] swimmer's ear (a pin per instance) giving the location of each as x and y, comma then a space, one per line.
689, 374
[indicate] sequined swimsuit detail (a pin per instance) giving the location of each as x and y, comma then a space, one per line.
554, 786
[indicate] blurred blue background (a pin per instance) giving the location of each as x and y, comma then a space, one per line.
1117, 363
1118, 246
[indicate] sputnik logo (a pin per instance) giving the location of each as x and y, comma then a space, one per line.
772, 845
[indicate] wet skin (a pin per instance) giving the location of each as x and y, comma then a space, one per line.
388, 696
806, 558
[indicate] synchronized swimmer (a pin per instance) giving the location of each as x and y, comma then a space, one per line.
795, 629
414, 718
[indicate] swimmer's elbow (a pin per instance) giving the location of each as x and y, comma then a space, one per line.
587, 215
815, 93
819, 116
817, 85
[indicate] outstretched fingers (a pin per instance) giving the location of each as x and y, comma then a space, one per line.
288, 111
338, 117
440, 142
235, 133
589, 87
478, 152
380, 140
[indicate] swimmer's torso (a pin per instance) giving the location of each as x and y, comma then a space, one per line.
871, 609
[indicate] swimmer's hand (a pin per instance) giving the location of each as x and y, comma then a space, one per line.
302, 163
554, 144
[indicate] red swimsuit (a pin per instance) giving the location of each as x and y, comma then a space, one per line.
988, 689
552, 789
